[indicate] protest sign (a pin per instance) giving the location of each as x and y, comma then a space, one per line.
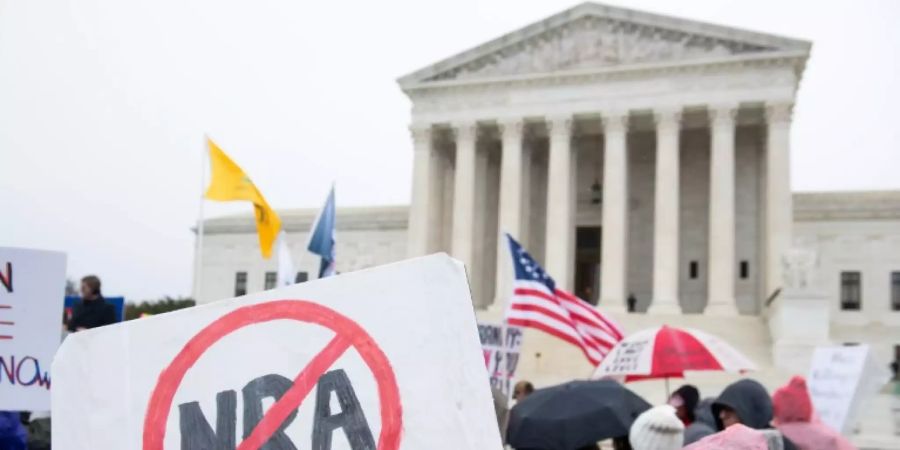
836, 378
501, 354
385, 358
31, 285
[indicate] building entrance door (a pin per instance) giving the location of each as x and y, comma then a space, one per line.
587, 263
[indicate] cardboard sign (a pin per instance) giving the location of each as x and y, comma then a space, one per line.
834, 383
385, 359
31, 285
501, 354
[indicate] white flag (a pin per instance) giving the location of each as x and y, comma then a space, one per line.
285, 263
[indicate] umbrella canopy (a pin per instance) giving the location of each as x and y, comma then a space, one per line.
572, 415
665, 352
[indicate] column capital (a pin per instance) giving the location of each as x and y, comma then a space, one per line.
668, 117
513, 126
779, 112
723, 114
464, 131
616, 120
421, 133
562, 124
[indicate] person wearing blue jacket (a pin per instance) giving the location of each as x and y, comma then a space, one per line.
13, 435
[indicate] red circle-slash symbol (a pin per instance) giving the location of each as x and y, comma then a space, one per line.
347, 334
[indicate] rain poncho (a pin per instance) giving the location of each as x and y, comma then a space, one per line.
795, 419
753, 406
736, 437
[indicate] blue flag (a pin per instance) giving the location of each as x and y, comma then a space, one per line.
321, 237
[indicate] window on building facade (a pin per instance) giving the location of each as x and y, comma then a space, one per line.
271, 280
745, 270
895, 291
851, 291
301, 277
694, 270
240, 284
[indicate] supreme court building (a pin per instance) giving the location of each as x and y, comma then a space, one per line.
632, 154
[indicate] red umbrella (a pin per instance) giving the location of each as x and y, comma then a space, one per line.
666, 352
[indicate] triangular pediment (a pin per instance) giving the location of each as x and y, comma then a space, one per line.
594, 36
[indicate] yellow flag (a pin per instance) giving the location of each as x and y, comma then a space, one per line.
229, 182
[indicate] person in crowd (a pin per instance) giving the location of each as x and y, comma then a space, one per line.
632, 303
735, 437
704, 423
522, 389
658, 428
684, 400
793, 411
747, 402
92, 311
13, 435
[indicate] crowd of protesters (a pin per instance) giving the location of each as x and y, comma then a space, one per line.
743, 417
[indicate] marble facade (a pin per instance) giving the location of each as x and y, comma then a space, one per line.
672, 115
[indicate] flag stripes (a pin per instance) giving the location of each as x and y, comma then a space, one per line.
537, 303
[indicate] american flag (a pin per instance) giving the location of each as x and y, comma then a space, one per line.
537, 303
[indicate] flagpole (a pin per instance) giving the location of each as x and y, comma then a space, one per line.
198, 270
504, 329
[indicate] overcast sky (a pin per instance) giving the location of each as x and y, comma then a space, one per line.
104, 104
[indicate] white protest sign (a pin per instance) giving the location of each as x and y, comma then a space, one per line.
833, 383
32, 287
386, 358
501, 354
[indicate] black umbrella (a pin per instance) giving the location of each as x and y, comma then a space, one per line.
572, 415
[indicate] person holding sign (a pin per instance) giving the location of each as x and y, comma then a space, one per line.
92, 311
793, 411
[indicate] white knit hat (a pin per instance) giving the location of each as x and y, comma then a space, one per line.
658, 428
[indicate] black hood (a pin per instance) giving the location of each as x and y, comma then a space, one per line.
690, 396
703, 413
749, 400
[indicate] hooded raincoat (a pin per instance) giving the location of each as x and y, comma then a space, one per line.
752, 404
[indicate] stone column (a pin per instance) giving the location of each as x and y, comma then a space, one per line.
510, 215
720, 289
423, 185
779, 205
666, 213
462, 242
559, 201
614, 254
